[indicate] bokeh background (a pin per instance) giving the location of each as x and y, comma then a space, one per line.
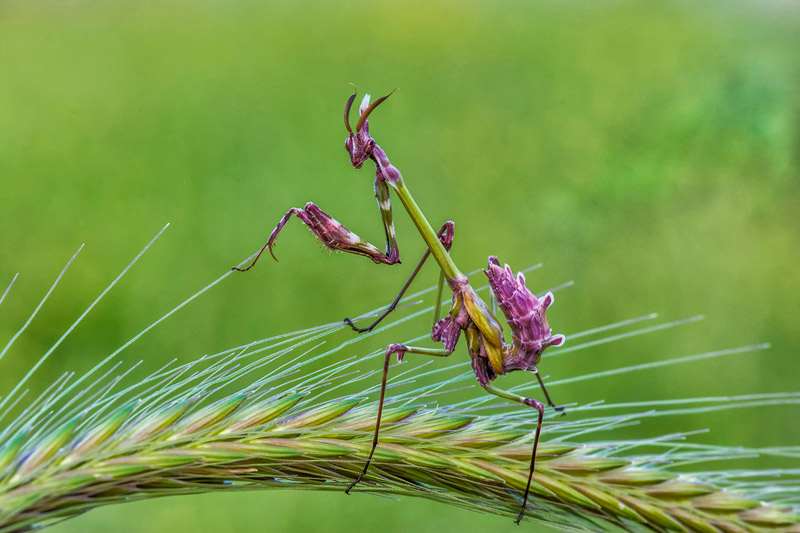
648, 151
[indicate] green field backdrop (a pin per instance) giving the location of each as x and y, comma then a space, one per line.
649, 151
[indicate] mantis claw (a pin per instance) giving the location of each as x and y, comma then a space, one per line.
237, 269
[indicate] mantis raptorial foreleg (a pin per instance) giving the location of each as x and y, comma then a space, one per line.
400, 350
445, 235
334, 236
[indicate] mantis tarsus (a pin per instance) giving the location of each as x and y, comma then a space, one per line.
491, 355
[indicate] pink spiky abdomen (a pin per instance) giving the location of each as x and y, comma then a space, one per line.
525, 314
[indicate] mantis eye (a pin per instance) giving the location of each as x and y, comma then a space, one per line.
348, 144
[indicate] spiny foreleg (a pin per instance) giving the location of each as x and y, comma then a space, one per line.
332, 234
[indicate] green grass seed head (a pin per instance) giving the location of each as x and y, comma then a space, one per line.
282, 425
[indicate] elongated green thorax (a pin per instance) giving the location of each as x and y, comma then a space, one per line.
437, 249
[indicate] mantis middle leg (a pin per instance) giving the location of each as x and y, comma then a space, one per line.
445, 235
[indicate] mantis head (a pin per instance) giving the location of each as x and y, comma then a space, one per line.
359, 144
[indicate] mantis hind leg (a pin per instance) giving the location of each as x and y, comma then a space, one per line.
559, 408
445, 235
400, 350
539, 406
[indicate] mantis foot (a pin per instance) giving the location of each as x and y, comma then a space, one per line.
356, 328
354, 483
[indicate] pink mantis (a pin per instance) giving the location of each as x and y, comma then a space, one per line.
491, 356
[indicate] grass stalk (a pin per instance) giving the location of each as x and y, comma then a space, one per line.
267, 415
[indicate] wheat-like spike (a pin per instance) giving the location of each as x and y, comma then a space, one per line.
279, 425
474, 461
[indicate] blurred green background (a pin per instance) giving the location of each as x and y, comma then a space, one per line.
649, 151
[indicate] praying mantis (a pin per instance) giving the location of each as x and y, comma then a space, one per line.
491, 356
